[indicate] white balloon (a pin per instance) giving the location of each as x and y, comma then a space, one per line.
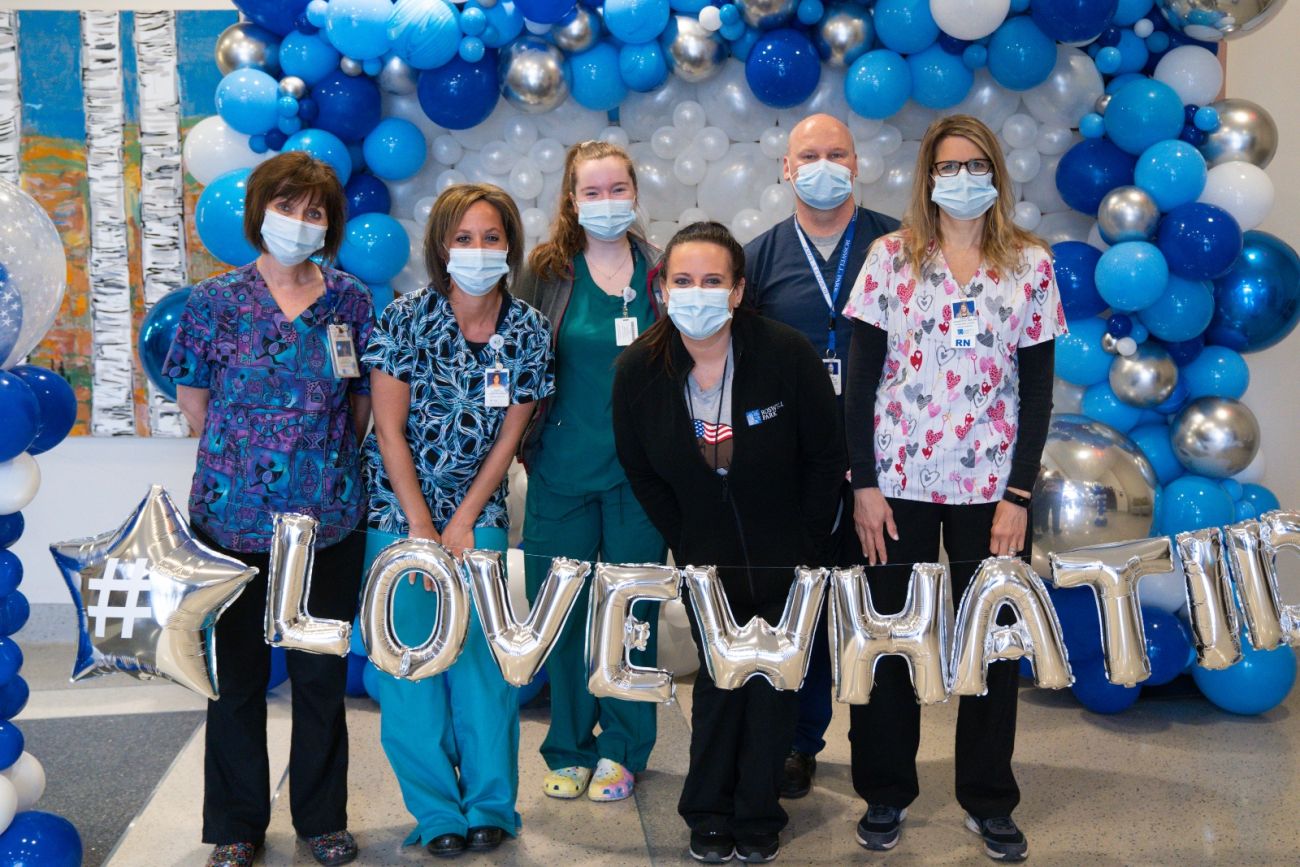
711, 18
863, 127
776, 201
20, 478
658, 190
409, 279
1070, 91
1065, 226
548, 154
969, 19
423, 208
449, 178
1242, 189
1256, 471
692, 215
747, 225
689, 116
643, 113
1024, 164
615, 135
535, 222
1042, 189
734, 182
1126, 346
661, 232
690, 167
212, 149
729, 103
8, 804
447, 150
988, 100
871, 165
1020, 130
1095, 239
827, 98
773, 141
498, 157
550, 196
1166, 591
520, 133
1053, 140
570, 123
28, 780
407, 107
892, 193
1027, 216
525, 179
494, 127
711, 142
886, 140
1193, 72
669, 141
913, 119
476, 172
1067, 397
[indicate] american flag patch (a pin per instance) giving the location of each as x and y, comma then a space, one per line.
712, 433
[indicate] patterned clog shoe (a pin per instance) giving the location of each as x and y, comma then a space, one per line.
611, 782
567, 783
336, 847
232, 855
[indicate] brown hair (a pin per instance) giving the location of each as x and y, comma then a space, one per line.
297, 177
445, 217
550, 260
1003, 243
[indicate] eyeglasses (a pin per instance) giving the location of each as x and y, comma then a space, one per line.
949, 168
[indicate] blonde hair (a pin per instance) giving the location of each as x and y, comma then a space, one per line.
447, 213
1003, 243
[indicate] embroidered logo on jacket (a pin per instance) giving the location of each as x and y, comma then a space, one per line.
758, 416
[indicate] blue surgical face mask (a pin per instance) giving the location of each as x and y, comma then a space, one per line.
697, 312
607, 219
964, 196
823, 185
477, 270
289, 241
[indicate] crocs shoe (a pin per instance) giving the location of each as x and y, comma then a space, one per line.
332, 849
567, 783
611, 782
232, 855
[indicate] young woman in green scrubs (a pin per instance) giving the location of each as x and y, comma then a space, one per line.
593, 279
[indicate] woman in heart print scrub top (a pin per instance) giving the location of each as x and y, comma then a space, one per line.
947, 408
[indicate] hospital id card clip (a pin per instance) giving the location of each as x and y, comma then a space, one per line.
965, 324
625, 327
342, 352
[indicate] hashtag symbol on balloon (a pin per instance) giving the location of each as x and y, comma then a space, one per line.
130, 577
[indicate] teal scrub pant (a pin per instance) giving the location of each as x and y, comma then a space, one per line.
452, 739
610, 526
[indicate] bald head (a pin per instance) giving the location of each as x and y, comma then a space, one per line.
819, 137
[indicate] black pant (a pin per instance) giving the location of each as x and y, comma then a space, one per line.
739, 741
886, 732
236, 771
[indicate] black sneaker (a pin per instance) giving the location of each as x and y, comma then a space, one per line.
799, 770
1002, 839
712, 847
758, 848
881, 827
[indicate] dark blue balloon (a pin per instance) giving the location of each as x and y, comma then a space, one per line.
279, 669
11, 747
1185, 351
58, 404
1095, 692
1168, 645
356, 686
1073, 20
1119, 325
22, 416
783, 68
1176, 401
530, 690
1200, 241
278, 16
346, 105
156, 335
1076, 609
1076, 267
11, 528
1090, 170
1257, 303
13, 698
545, 11
11, 572
459, 95
11, 660
37, 839
367, 194
14, 611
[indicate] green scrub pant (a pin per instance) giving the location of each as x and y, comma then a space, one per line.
452, 739
609, 526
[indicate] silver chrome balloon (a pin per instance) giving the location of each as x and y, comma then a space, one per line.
398, 77
1110, 344
1210, 605
1036, 634
1113, 572
1215, 436
148, 597
1252, 550
579, 33
1103, 102
244, 45
534, 77
779, 653
1212, 20
351, 66
844, 34
1146, 378
1127, 214
288, 587
612, 631
767, 14
1096, 486
1246, 132
426, 559
520, 648
692, 53
292, 85
860, 635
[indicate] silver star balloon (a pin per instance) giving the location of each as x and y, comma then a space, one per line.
148, 597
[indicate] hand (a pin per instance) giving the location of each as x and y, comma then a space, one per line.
457, 538
872, 518
423, 530
1009, 523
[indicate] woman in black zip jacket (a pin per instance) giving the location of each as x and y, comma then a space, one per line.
725, 424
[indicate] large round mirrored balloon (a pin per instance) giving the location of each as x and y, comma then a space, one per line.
693, 53
579, 32
1127, 214
244, 44
33, 271
1215, 436
1070, 91
156, 335
1257, 303
767, 14
1146, 378
844, 34
533, 75
1096, 487
1245, 132
1212, 20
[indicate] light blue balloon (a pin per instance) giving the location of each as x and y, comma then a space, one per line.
248, 100
375, 248
1130, 12
1132, 276
597, 83
1020, 55
939, 79
425, 33
1102, 404
324, 146
1142, 113
308, 56
690, 7
219, 218
1218, 371
1133, 52
1172, 171
1182, 312
1260, 497
394, 149
642, 67
358, 28
878, 83
905, 26
505, 22
1258, 683
1079, 356
1193, 503
635, 21
1153, 439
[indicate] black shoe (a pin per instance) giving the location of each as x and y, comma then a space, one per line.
1002, 839
712, 847
485, 838
881, 827
446, 846
798, 776
758, 848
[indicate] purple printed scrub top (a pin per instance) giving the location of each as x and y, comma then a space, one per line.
278, 435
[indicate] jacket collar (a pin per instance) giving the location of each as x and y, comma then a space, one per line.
741, 327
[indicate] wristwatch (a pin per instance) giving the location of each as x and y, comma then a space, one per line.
1016, 499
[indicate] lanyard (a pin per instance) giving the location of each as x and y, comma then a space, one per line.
831, 296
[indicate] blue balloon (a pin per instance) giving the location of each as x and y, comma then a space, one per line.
1217, 371
1129, 12
279, 669
1257, 303
1119, 325
358, 28
347, 105
1133, 53
530, 690
472, 49
1260, 497
1020, 55
11, 659
324, 146
1172, 171
11, 572
156, 335
1142, 113
1090, 170
939, 79
375, 248
1167, 643
14, 611
473, 22
505, 22
247, 100
425, 34
381, 295
1095, 692
783, 68
1200, 241
1257, 684
878, 84
905, 26
1075, 264
13, 698
356, 686
1193, 503
642, 67
630, 21
1073, 20
975, 56
597, 83
459, 95
1176, 401
1132, 275
219, 218
308, 56
744, 41
553, 11
11, 528
1076, 609
370, 680
278, 16
37, 839
394, 149
1079, 356
367, 195
1182, 312
1153, 440
1102, 404
1185, 351
22, 416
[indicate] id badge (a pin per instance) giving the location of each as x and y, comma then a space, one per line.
625, 330
342, 352
496, 387
965, 324
833, 369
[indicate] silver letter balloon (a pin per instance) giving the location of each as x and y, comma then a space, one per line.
612, 631
288, 625
1253, 548
1210, 605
